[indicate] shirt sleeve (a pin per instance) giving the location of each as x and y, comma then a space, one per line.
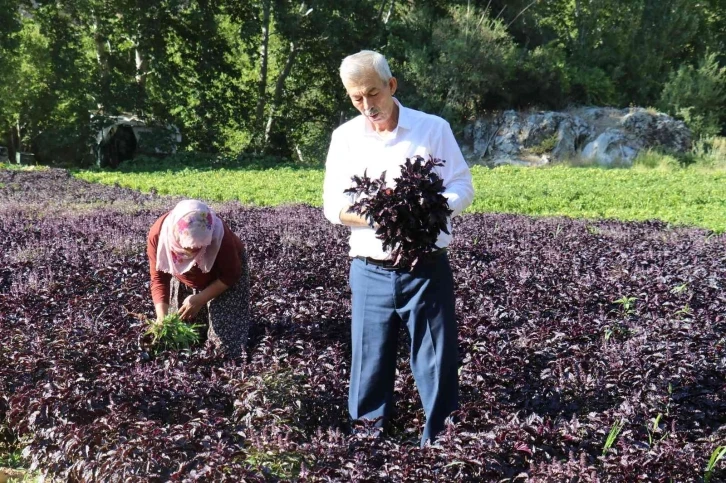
160, 281
228, 264
455, 173
336, 180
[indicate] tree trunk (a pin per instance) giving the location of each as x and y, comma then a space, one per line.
381, 8
264, 56
299, 154
141, 66
579, 26
15, 146
279, 89
141, 71
102, 58
390, 11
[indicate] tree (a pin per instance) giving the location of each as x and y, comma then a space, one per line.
698, 95
295, 55
459, 68
10, 28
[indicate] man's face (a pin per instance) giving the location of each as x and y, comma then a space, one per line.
374, 99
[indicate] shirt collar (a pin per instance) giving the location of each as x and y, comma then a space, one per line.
404, 121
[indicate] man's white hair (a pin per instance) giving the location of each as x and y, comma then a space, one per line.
356, 66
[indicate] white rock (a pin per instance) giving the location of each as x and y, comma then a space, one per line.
604, 135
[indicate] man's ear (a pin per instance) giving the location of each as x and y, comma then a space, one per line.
392, 85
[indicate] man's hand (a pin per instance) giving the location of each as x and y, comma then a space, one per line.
352, 219
349, 218
191, 307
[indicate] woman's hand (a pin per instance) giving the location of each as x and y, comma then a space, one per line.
194, 303
161, 310
191, 307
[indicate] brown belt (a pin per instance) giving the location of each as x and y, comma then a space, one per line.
389, 263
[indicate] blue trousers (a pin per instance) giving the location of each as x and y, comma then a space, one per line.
423, 299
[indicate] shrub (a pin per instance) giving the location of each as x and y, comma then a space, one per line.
542, 78
547, 145
697, 95
710, 151
652, 159
64, 146
592, 86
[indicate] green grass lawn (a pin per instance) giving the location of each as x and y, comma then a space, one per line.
680, 196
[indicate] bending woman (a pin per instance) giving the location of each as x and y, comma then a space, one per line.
199, 269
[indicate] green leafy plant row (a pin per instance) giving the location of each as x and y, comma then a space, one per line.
679, 196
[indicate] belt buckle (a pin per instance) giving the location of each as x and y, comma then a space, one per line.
379, 263
388, 264
375, 262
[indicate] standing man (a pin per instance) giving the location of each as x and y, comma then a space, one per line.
380, 139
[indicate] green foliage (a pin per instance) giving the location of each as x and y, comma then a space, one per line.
10, 28
156, 139
691, 196
10, 457
698, 95
542, 78
546, 146
65, 145
652, 159
281, 464
678, 196
45, 89
617, 331
718, 454
627, 304
592, 86
204, 162
709, 152
172, 333
679, 289
622, 50
253, 180
655, 429
10, 20
612, 436
262, 76
195, 64
21, 167
468, 60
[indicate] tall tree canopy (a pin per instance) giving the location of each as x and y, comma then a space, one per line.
262, 76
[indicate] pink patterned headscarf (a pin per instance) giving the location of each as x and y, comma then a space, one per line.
192, 225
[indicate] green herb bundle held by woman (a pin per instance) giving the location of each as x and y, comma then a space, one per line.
199, 269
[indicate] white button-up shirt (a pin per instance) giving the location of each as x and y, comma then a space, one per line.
356, 147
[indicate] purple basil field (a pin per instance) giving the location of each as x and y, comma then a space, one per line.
570, 331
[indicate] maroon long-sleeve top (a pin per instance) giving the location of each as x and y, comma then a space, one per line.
227, 266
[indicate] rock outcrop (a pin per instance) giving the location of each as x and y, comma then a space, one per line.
601, 135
